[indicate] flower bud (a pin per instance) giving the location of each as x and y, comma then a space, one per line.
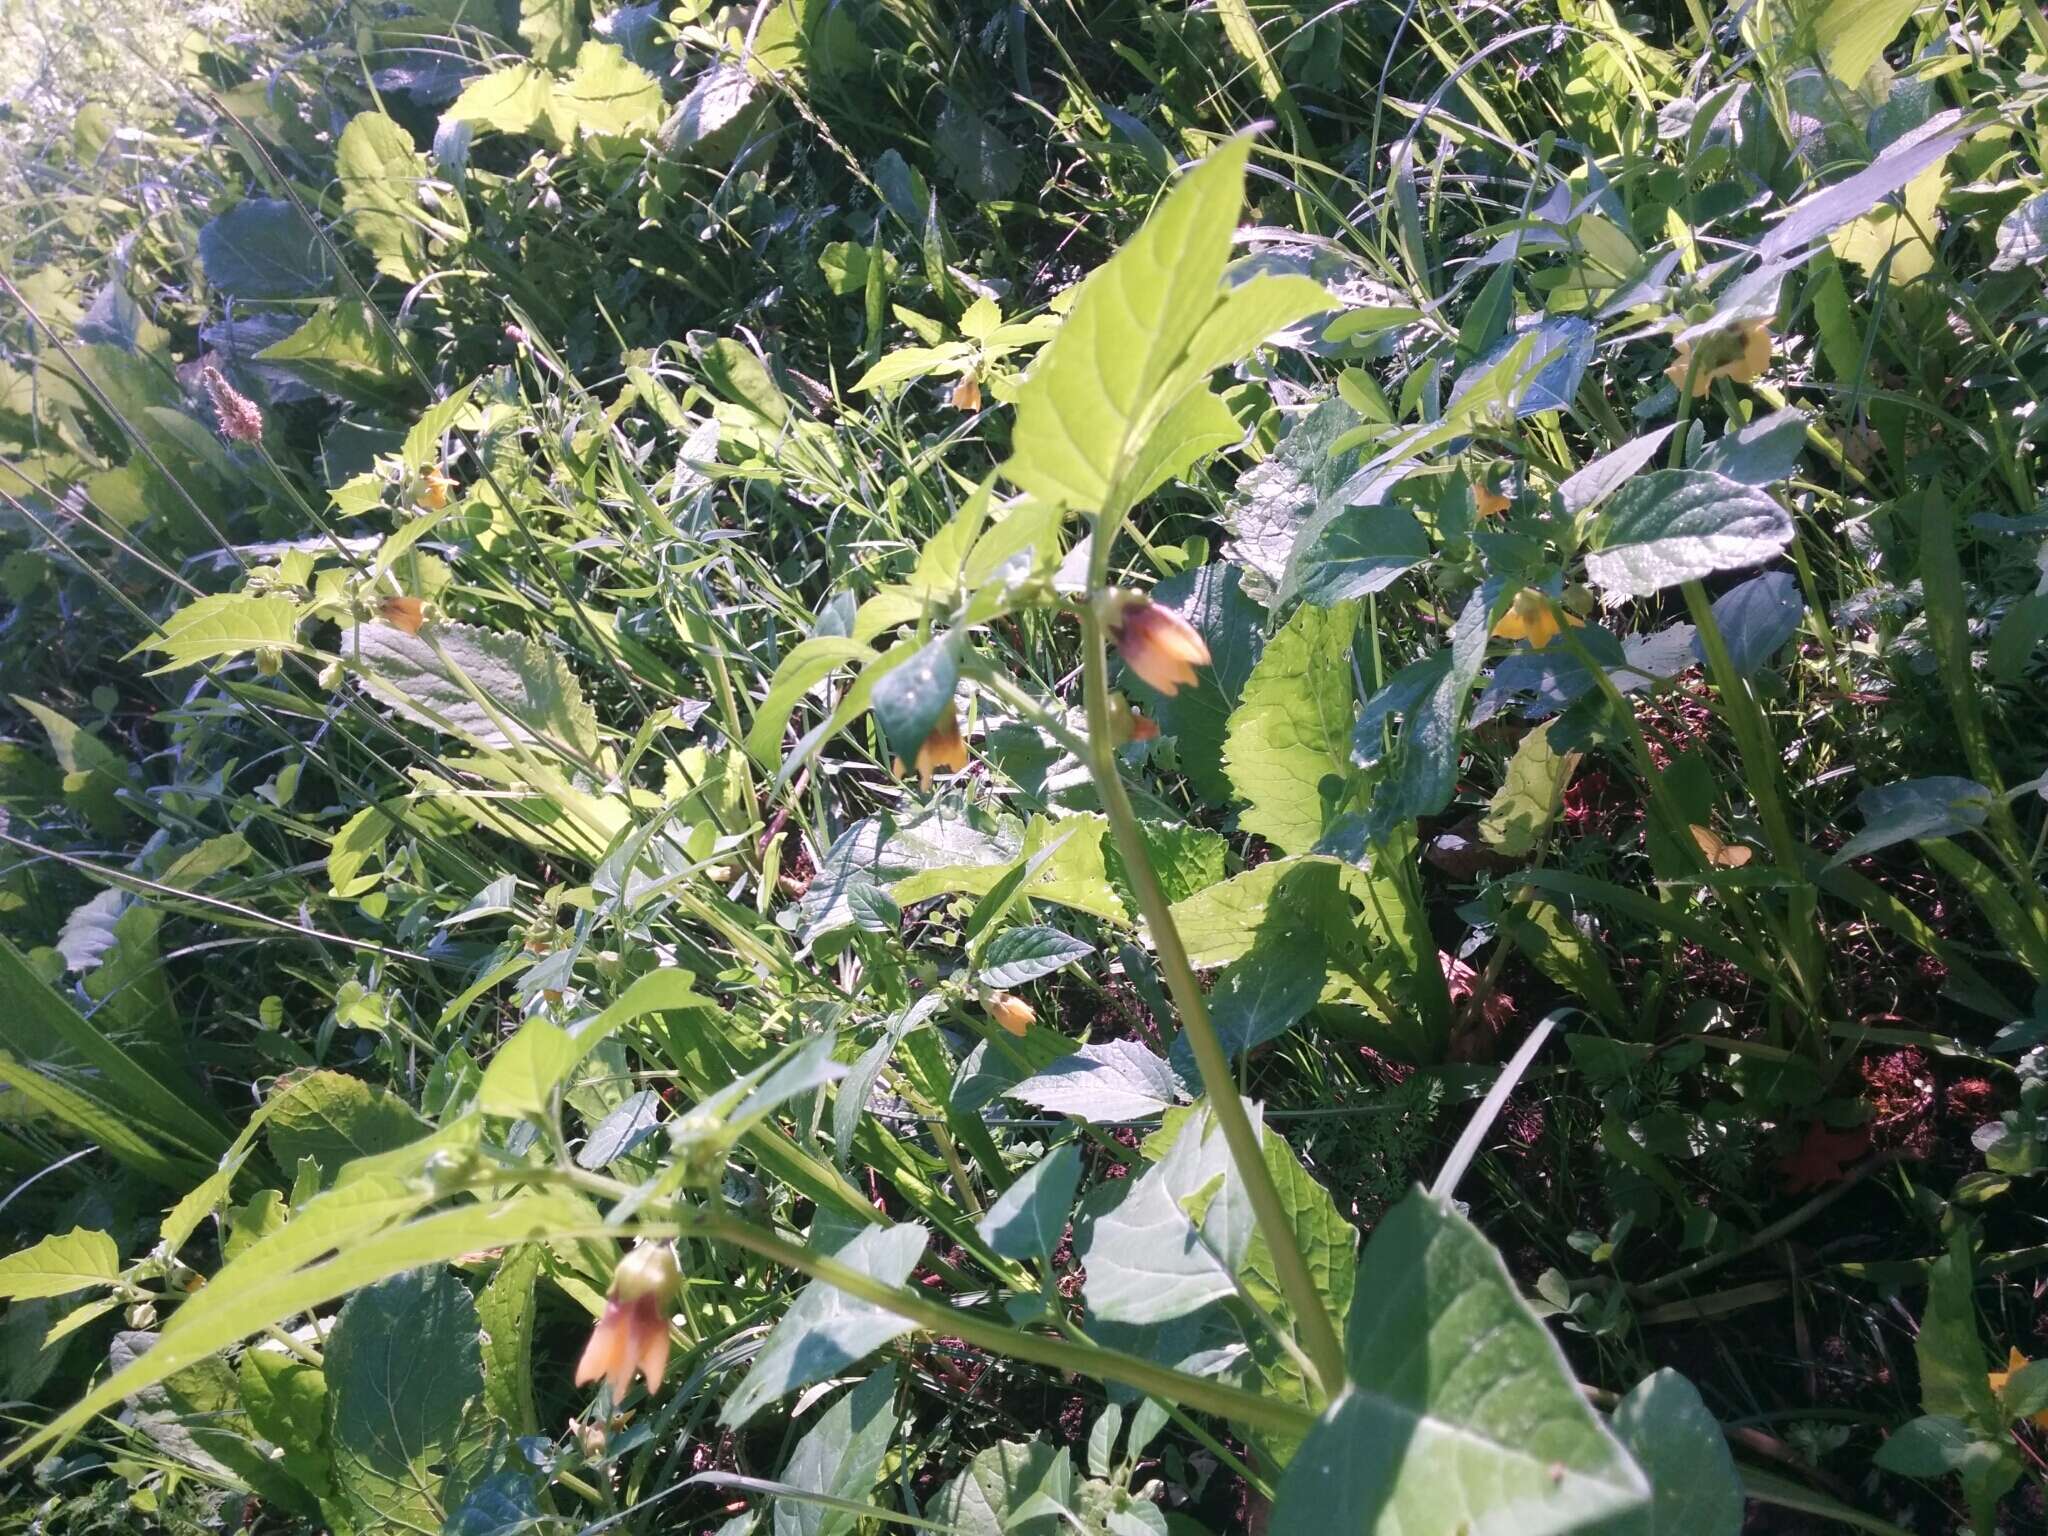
434, 489
632, 1335
944, 748
1011, 1011
1158, 644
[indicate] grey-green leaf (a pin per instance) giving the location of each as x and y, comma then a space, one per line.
1693, 1487
402, 1370
827, 1330
492, 688
1462, 1414
1112, 1081
263, 248
909, 698
1150, 1258
1916, 808
1018, 955
1026, 1220
1678, 525
840, 1458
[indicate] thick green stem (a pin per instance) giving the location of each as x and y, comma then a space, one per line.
1312, 1320
1158, 1381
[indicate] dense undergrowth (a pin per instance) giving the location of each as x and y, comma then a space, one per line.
1227, 767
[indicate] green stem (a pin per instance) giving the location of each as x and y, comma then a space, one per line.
1158, 1381
1319, 1337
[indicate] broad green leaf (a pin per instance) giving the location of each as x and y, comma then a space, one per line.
362, 837
1018, 955
1175, 1240
195, 1416
606, 95
634, 1120
1119, 398
286, 1401
1329, 1247
263, 248
1275, 498
825, 1330
1186, 859
1291, 730
2025, 1392
731, 368
60, 1264
1261, 994
1212, 599
840, 1456
1677, 525
1898, 240
1116, 1080
991, 1497
2023, 235
907, 363
225, 624
1954, 1376
491, 687
1461, 1412
527, 1069
402, 1373
1917, 808
514, 100
551, 29
332, 1118
1756, 618
1906, 157
1851, 35
1931, 1446
381, 177
909, 699
342, 351
1075, 876
1762, 452
505, 1309
806, 665
1694, 1490
1518, 817
1026, 1220
1359, 551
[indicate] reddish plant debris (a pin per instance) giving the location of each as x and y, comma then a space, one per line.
1899, 1086
1391, 1073
1526, 1122
1823, 1157
1972, 1099
1595, 806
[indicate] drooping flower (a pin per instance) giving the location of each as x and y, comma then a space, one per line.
434, 489
241, 421
966, 395
1488, 501
1536, 618
406, 613
1159, 645
2015, 1362
1011, 1011
632, 1335
1741, 353
944, 748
